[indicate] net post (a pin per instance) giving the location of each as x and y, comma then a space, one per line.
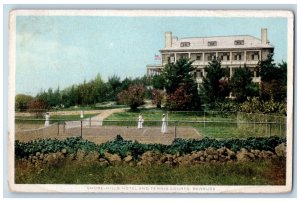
204, 118
175, 132
270, 125
58, 128
81, 128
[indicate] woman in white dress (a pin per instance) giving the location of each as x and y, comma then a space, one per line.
164, 124
47, 117
140, 121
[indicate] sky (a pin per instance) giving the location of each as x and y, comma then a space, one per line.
59, 51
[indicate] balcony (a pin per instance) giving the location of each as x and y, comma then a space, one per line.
154, 69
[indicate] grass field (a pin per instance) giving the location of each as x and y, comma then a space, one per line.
250, 173
208, 124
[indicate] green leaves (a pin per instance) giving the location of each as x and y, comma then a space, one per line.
241, 84
215, 85
125, 147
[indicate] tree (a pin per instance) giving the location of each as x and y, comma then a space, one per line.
273, 79
180, 75
158, 82
133, 96
99, 90
114, 87
241, 84
21, 101
215, 84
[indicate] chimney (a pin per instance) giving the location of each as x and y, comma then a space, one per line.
168, 39
264, 35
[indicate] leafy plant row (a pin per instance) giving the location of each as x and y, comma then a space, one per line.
124, 147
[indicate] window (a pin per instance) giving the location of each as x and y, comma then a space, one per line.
238, 57
225, 57
239, 42
212, 43
185, 44
209, 56
254, 56
198, 57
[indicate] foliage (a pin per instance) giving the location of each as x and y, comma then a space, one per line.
241, 84
22, 101
255, 105
124, 147
157, 97
114, 87
274, 107
179, 100
178, 76
71, 172
227, 105
88, 93
251, 106
158, 82
37, 106
133, 96
273, 79
215, 86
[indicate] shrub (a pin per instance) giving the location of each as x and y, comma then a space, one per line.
22, 102
125, 147
251, 106
254, 105
179, 100
274, 107
133, 96
37, 106
158, 96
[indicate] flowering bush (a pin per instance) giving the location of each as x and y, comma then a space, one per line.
158, 96
179, 100
37, 106
133, 96
254, 105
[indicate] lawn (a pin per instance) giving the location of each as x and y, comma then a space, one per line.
208, 124
251, 173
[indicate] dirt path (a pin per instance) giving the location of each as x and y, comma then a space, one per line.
98, 120
94, 121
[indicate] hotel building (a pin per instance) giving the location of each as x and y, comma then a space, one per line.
233, 51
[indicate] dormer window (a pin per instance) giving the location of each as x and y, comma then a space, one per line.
185, 44
212, 43
239, 42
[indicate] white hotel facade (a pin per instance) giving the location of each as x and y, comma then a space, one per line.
233, 51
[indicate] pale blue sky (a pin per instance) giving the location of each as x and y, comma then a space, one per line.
61, 51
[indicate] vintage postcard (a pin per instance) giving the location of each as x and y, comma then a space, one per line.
151, 101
